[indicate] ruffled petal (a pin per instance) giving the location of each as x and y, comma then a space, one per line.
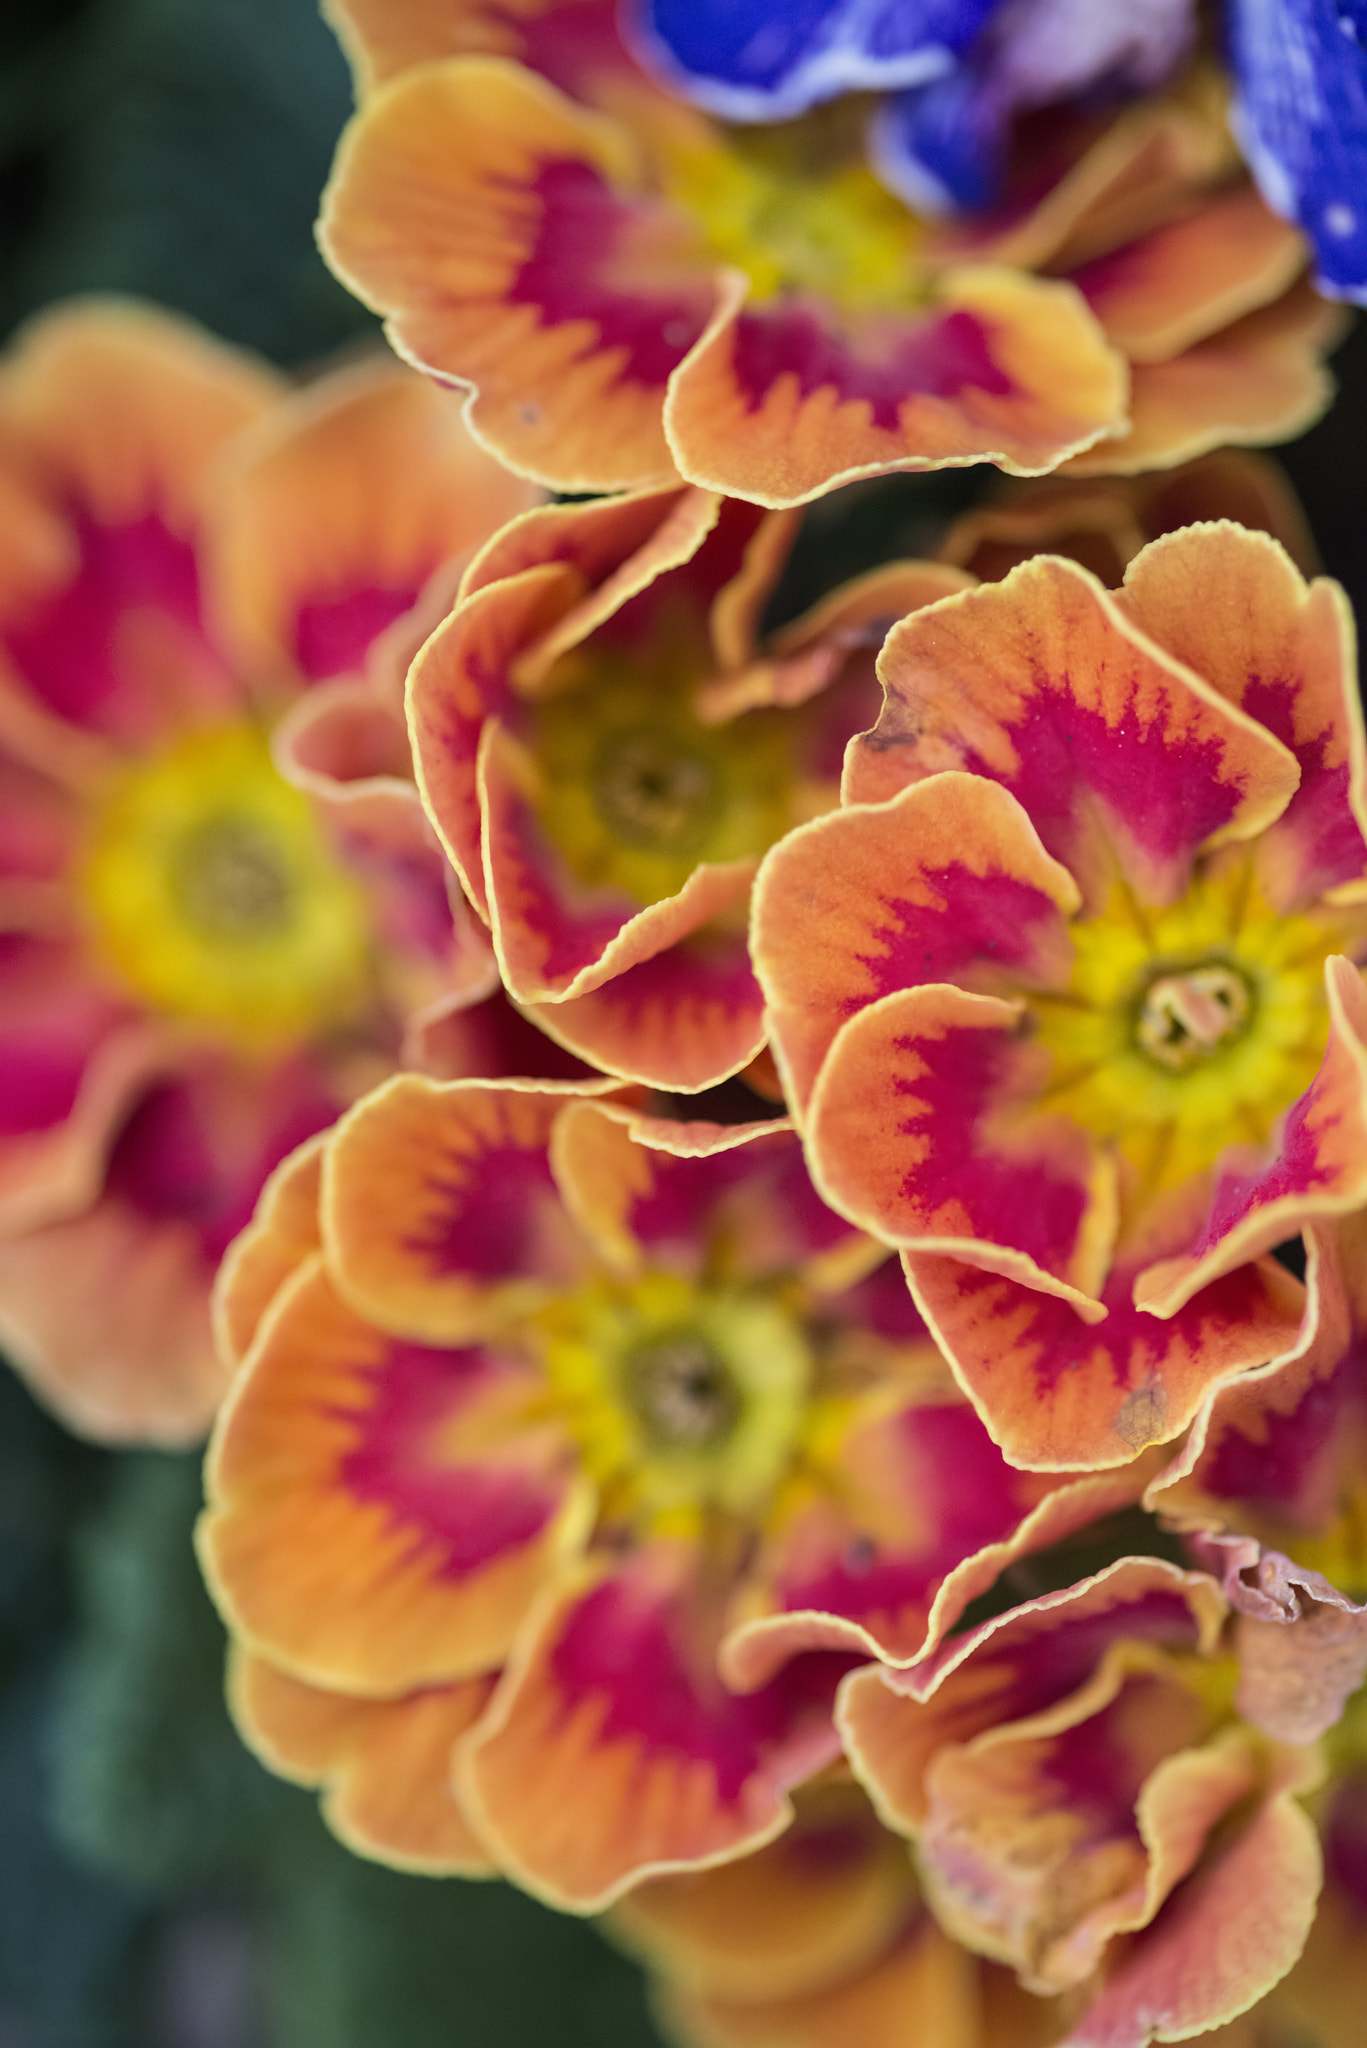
384, 1765
780, 406
611, 1753
500, 228
1125, 762
866, 901
1056, 1392
440, 1215
381, 1514
1233, 607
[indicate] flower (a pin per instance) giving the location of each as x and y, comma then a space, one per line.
200, 965
962, 70
607, 746
584, 1449
634, 288
1060, 996
1073, 1772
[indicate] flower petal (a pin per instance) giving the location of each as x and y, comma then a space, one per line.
867, 901
822, 1900
1125, 762
281, 1235
1262, 379
439, 1212
496, 223
610, 1752
381, 1515
779, 407
385, 1765
1283, 651
1056, 1392
332, 515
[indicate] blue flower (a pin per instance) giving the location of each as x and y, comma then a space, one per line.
955, 72
1300, 113
766, 60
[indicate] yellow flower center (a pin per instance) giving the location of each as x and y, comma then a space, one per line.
1188, 1028
213, 894
796, 207
634, 789
684, 1400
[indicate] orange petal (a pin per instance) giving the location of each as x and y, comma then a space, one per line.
1232, 606
1127, 763
496, 223
777, 407
380, 1516
384, 1765
947, 883
439, 1212
334, 512
282, 1233
610, 1753
1261, 380
822, 1901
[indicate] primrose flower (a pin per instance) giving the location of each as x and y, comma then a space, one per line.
587, 1450
633, 287
1060, 997
962, 71
1088, 1810
607, 746
199, 966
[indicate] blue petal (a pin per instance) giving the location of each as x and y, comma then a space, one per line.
767, 60
942, 147
1301, 117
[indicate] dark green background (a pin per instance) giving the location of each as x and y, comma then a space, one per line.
157, 1890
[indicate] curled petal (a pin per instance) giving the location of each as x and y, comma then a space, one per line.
439, 1212
777, 406
1056, 1392
947, 883
417, 1495
283, 1232
1126, 762
385, 1765
611, 1753
1233, 607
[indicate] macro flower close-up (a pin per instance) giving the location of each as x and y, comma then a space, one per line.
201, 965
683, 1028
632, 284
1092, 1066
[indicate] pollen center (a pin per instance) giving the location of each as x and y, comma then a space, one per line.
1189, 1016
213, 895
796, 207
679, 1385
654, 793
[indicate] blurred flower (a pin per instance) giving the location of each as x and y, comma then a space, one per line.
591, 1448
632, 286
963, 70
1060, 997
1104, 522
199, 964
1072, 1774
607, 747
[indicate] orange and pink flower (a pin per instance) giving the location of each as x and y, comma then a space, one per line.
633, 288
578, 1453
1060, 996
607, 744
200, 964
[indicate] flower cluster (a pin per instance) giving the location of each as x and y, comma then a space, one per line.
728, 1150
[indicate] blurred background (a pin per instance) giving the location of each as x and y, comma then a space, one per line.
157, 1888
